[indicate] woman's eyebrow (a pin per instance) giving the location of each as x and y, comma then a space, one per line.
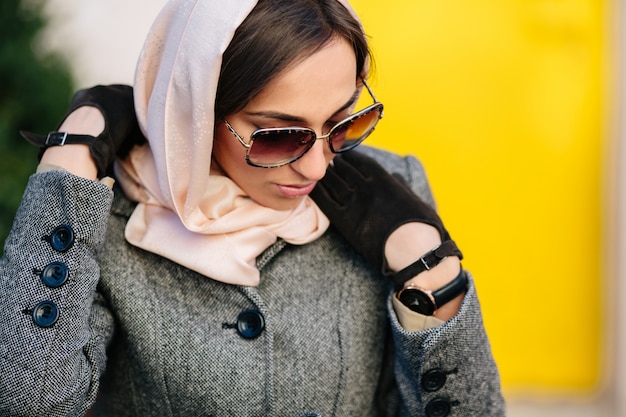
296, 119
349, 103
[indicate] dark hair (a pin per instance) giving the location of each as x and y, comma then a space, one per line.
273, 36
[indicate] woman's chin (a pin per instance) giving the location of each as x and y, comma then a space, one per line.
281, 203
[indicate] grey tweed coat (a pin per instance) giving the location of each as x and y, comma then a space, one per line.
86, 318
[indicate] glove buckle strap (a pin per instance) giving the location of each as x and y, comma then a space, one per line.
426, 262
56, 139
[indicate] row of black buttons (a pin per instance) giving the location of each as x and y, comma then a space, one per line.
53, 275
433, 380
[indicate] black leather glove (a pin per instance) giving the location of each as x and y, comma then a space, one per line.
366, 204
121, 130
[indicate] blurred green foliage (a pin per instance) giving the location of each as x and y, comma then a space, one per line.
35, 91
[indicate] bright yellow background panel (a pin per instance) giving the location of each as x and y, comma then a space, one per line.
503, 102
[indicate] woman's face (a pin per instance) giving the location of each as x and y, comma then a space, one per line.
316, 93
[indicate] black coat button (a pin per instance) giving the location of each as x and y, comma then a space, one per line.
55, 274
438, 407
45, 314
433, 380
62, 238
250, 324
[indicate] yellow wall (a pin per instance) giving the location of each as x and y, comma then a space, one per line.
505, 103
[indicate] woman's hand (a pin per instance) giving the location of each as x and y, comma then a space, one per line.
107, 114
76, 158
383, 219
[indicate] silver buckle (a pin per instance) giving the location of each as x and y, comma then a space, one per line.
56, 138
431, 253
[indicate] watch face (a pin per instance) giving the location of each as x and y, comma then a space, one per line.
418, 301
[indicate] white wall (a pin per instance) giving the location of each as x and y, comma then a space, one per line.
102, 38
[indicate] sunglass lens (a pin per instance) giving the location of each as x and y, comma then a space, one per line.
279, 147
354, 130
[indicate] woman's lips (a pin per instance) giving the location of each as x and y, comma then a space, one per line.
292, 191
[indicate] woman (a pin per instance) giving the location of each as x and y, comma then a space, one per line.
211, 283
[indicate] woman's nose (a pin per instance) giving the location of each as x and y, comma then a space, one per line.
313, 164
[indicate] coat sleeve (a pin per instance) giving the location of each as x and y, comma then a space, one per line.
447, 370
54, 327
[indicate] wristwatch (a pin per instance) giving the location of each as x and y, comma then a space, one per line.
426, 302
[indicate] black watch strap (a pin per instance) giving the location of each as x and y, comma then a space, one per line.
426, 262
56, 139
451, 290
427, 302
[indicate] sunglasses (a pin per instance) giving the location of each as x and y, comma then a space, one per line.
275, 147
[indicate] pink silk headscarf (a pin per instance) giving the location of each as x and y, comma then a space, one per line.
187, 211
